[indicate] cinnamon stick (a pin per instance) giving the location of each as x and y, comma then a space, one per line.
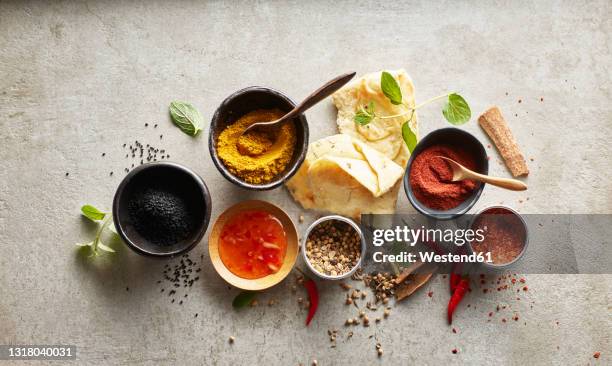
493, 123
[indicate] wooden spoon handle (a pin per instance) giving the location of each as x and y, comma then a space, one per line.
511, 184
318, 95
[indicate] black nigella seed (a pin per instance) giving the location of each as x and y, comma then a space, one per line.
155, 125
160, 136
146, 125
103, 154
111, 173
67, 174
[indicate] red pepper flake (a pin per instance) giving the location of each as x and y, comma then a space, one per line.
454, 330
430, 293
525, 288
482, 274
454, 351
513, 281
484, 290
504, 320
490, 314
522, 280
482, 282
596, 355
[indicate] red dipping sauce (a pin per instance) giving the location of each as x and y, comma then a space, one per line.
431, 177
253, 244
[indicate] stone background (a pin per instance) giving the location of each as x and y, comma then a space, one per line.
78, 79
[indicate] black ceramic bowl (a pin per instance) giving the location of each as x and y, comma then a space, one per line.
180, 181
239, 104
449, 136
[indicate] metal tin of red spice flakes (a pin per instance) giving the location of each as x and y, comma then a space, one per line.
519, 220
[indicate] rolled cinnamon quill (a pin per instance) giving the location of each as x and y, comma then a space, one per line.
493, 123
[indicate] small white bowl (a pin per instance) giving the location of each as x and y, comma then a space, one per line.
338, 218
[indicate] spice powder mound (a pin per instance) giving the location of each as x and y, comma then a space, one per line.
431, 177
257, 157
333, 248
504, 235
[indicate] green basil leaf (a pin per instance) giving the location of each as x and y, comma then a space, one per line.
409, 137
456, 110
186, 117
105, 247
365, 115
390, 88
363, 118
243, 299
92, 213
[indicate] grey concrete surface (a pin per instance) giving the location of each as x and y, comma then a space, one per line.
78, 79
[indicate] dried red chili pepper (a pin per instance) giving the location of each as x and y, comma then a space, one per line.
460, 291
455, 278
313, 297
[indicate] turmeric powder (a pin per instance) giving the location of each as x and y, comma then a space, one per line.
257, 157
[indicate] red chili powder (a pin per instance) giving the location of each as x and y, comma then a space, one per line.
504, 235
430, 177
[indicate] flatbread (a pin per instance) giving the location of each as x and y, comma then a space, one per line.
344, 176
383, 135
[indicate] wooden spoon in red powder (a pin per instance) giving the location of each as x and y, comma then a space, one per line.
431, 177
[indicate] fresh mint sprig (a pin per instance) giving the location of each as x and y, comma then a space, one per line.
104, 221
456, 110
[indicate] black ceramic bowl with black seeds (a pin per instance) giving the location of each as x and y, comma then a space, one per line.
162, 209
242, 102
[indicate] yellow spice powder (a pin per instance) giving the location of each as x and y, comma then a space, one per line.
258, 156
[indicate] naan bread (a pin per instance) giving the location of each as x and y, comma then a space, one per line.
358, 171
383, 135
346, 177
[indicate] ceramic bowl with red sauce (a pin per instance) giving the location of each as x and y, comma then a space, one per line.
427, 180
253, 245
